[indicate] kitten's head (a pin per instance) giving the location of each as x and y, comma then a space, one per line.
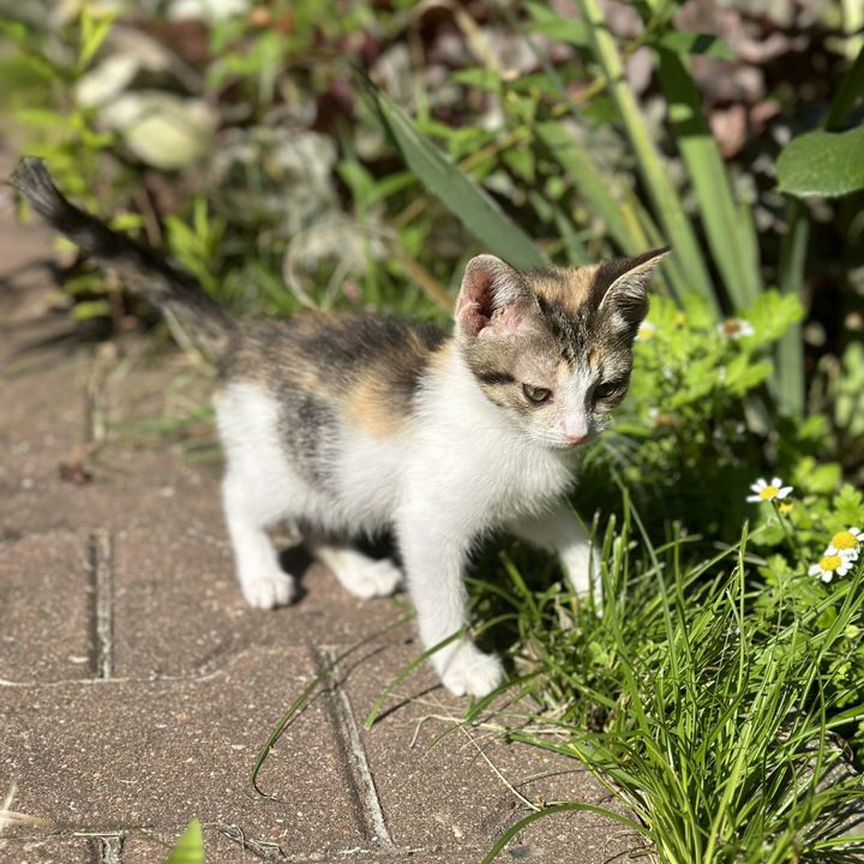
554, 348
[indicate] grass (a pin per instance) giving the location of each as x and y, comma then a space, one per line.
710, 723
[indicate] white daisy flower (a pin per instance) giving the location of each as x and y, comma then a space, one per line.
846, 543
646, 332
764, 491
830, 566
735, 328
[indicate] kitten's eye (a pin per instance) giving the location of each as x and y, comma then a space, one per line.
607, 389
537, 395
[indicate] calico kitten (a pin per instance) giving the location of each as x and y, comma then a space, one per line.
352, 426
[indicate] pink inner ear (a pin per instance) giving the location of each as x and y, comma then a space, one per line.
484, 288
475, 306
506, 320
471, 316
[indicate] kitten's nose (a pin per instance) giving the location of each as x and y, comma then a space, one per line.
574, 440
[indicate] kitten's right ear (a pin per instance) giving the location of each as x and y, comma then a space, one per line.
493, 300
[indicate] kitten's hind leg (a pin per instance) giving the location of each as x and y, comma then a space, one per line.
264, 583
359, 574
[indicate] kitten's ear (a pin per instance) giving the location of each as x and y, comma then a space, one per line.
622, 286
494, 298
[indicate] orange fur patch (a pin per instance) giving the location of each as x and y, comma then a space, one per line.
569, 288
371, 408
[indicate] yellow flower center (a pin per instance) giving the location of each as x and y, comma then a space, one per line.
769, 493
831, 563
844, 540
786, 507
646, 334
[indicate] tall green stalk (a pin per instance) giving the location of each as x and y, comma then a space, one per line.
726, 233
663, 195
789, 369
789, 373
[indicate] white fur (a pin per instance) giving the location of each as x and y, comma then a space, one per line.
460, 469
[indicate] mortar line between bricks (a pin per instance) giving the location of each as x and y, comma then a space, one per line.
343, 707
102, 568
109, 849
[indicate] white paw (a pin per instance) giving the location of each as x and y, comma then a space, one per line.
466, 669
372, 579
268, 590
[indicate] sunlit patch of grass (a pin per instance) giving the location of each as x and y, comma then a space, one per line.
712, 725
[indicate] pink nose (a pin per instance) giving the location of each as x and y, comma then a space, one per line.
576, 439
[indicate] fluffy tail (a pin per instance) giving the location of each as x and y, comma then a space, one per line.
143, 271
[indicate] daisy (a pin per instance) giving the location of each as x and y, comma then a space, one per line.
830, 566
846, 543
647, 331
764, 491
735, 328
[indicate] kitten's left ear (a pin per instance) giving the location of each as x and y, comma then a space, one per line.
622, 285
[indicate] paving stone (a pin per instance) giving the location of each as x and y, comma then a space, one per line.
50, 850
152, 847
448, 796
147, 488
46, 608
106, 755
43, 417
45, 433
167, 579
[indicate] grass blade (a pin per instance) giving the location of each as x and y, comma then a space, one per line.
551, 810
406, 673
788, 381
305, 697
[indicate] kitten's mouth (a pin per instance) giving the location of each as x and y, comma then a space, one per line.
568, 444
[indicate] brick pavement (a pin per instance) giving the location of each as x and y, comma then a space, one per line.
136, 688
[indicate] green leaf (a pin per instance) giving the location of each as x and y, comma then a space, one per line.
742, 376
478, 211
521, 163
823, 163
773, 314
94, 31
190, 847
695, 43
849, 505
485, 79
733, 240
86, 310
548, 23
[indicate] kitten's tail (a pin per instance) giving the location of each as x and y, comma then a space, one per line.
175, 291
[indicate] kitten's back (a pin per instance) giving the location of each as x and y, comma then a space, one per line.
366, 368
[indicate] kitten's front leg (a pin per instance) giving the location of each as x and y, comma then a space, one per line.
561, 533
434, 556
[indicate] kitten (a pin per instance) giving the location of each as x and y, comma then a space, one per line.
352, 426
